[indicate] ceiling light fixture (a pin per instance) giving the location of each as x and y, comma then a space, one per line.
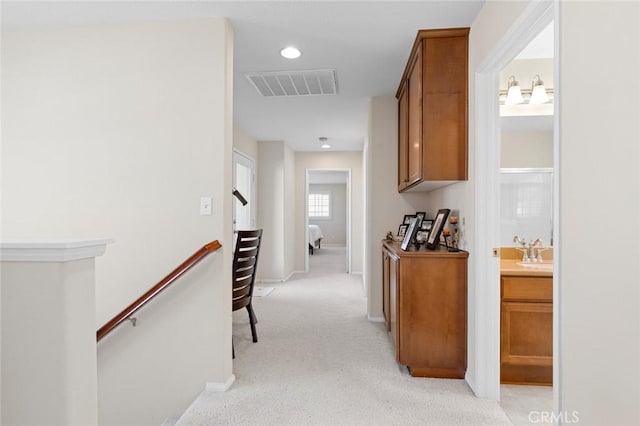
324, 145
514, 94
538, 92
290, 52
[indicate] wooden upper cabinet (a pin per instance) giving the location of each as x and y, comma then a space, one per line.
403, 137
432, 111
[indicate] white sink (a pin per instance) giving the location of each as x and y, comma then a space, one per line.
542, 266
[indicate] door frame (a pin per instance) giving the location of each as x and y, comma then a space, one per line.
252, 197
535, 17
306, 214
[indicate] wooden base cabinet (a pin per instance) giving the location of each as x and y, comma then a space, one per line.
526, 347
425, 304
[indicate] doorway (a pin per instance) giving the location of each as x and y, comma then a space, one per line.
244, 183
526, 229
487, 295
328, 220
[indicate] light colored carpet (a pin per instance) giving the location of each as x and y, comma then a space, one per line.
328, 260
262, 291
319, 361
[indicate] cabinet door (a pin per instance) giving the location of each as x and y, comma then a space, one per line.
526, 349
414, 149
403, 137
385, 287
394, 281
444, 111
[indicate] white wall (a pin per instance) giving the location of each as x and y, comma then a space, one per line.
525, 70
290, 201
489, 27
599, 160
526, 149
334, 229
275, 213
244, 142
117, 130
330, 160
386, 207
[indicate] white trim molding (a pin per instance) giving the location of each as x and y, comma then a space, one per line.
375, 319
48, 250
486, 380
279, 280
220, 386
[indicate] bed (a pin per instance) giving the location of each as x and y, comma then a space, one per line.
315, 237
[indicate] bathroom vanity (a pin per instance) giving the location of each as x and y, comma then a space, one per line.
526, 320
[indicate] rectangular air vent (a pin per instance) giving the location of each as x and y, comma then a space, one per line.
294, 83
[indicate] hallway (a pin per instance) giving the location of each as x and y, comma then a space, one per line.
320, 361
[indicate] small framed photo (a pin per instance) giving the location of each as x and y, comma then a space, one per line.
410, 234
421, 215
434, 236
426, 225
402, 230
407, 219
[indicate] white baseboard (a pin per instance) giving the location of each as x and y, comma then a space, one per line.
291, 274
219, 386
375, 319
278, 280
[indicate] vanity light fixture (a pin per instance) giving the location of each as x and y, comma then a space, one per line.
514, 94
538, 92
324, 145
290, 52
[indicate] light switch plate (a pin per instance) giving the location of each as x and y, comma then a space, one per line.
205, 206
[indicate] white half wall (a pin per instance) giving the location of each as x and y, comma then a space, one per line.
385, 206
599, 343
330, 160
118, 130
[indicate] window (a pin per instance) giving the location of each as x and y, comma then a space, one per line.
320, 205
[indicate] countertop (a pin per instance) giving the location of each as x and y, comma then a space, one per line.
440, 251
510, 267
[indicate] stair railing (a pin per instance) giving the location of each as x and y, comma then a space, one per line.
127, 313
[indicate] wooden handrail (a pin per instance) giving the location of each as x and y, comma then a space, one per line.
157, 289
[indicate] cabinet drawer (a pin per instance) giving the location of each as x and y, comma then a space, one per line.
534, 289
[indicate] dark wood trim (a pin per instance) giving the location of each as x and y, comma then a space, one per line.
158, 288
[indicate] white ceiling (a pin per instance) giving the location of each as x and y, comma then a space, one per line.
366, 42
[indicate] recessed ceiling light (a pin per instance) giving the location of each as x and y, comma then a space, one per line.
290, 52
326, 146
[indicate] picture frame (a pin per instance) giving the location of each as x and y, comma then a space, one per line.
426, 225
438, 224
410, 234
407, 219
402, 230
421, 215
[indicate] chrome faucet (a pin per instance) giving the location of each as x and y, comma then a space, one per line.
538, 246
523, 247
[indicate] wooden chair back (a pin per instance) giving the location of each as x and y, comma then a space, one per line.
245, 263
